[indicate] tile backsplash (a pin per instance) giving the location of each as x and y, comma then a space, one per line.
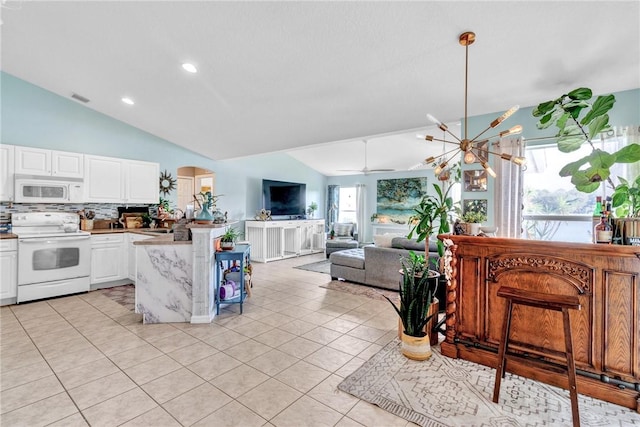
102, 210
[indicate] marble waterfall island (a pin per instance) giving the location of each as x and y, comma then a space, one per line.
175, 281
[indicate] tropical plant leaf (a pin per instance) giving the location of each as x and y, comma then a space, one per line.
570, 143
571, 168
598, 125
628, 154
543, 108
583, 93
588, 188
601, 106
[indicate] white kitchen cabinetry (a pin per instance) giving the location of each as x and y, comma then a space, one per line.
38, 161
8, 271
273, 240
142, 182
7, 168
113, 180
108, 258
131, 253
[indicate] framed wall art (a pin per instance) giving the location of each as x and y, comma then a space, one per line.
475, 180
396, 198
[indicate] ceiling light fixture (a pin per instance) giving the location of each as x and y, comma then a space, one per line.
128, 101
474, 148
189, 68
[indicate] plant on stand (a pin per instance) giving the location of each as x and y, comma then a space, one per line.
228, 239
416, 288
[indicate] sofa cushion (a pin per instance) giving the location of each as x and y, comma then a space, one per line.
353, 258
385, 240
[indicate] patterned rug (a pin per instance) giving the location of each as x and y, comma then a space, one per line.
449, 392
317, 267
124, 295
363, 290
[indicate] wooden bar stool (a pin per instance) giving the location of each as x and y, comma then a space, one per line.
547, 302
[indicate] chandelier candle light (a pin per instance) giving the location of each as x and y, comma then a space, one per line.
471, 147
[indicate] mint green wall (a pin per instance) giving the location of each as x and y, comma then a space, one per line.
625, 112
34, 117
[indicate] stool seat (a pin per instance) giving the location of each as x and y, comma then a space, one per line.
543, 301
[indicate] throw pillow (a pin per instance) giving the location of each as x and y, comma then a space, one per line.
343, 229
384, 240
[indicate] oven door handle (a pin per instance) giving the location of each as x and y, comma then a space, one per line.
53, 240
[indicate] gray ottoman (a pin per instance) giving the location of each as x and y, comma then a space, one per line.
339, 245
348, 264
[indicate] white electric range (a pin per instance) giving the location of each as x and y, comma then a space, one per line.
54, 255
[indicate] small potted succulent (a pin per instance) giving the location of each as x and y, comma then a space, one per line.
228, 239
473, 219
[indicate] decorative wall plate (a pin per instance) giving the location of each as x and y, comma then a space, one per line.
167, 183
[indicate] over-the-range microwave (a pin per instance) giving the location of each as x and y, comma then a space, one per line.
42, 189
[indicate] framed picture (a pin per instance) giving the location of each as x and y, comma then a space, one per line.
396, 198
475, 205
481, 152
475, 180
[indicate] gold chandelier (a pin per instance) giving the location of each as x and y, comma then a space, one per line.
473, 149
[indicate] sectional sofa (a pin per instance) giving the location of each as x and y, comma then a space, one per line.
378, 265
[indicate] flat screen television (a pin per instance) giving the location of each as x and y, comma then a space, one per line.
284, 198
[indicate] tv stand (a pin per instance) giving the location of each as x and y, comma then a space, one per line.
274, 240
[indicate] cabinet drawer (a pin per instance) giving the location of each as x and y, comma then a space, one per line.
107, 239
8, 245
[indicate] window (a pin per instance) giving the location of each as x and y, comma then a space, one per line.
553, 208
347, 205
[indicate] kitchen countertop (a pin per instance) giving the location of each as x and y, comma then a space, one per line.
8, 236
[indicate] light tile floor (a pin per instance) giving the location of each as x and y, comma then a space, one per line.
87, 360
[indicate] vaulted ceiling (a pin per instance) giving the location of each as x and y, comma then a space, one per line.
281, 76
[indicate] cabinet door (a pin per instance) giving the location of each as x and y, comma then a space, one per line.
33, 161
106, 263
7, 169
8, 274
104, 179
142, 182
68, 165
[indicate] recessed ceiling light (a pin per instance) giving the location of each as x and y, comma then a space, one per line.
128, 101
189, 67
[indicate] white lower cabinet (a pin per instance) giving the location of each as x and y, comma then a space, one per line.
108, 257
8, 270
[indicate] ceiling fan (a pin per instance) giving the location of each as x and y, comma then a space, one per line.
366, 169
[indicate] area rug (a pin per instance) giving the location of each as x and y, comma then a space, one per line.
445, 392
363, 290
318, 267
124, 295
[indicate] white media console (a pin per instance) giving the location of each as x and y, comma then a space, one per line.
274, 240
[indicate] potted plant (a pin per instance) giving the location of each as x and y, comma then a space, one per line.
416, 289
228, 239
473, 219
429, 210
312, 208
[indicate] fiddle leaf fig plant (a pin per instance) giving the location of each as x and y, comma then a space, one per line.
573, 131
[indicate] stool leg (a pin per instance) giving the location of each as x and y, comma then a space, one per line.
502, 351
571, 368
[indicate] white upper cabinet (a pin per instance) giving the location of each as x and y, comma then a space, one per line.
7, 155
38, 161
113, 180
104, 179
65, 164
142, 184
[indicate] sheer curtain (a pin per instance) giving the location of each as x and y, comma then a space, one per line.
508, 197
361, 215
